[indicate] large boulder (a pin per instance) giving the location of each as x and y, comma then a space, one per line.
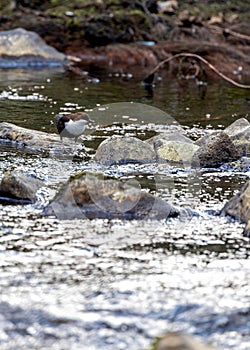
178, 341
239, 133
121, 150
19, 188
22, 48
37, 141
91, 195
238, 206
173, 147
215, 149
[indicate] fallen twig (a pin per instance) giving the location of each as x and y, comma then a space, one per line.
149, 79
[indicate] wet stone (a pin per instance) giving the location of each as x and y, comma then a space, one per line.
239, 133
22, 48
122, 150
174, 147
238, 207
215, 149
19, 188
90, 196
38, 141
178, 341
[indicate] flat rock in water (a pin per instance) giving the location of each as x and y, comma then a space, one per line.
122, 150
23, 48
239, 133
178, 341
19, 188
215, 149
39, 141
173, 147
238, 207
89, 196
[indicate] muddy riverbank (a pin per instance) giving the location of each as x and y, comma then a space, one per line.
126, 33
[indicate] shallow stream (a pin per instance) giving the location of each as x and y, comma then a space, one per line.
108, 285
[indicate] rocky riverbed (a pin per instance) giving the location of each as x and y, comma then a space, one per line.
106, 283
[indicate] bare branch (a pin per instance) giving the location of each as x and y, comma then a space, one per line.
185, 54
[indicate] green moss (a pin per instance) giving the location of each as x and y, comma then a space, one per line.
77, 176
60, 2
4, 4
97, 174
154, 344
207, 10
93, 22
5, 8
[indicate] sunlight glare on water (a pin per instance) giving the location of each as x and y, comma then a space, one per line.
116, 284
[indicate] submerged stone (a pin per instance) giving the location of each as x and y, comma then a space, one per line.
22, 48
91, 195
19, 188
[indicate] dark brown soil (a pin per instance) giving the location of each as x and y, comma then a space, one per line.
125, 34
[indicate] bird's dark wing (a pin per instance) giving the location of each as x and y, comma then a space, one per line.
61, 120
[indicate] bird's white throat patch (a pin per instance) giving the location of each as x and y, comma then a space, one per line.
76, 128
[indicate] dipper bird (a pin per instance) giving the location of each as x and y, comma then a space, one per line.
72, 125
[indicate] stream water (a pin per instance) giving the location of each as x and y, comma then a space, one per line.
99, 284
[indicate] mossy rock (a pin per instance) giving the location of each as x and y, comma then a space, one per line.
90, 196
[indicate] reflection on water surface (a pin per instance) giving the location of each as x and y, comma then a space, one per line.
48, 92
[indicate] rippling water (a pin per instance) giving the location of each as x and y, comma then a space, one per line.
112, 284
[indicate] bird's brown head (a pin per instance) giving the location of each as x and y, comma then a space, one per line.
79, 115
